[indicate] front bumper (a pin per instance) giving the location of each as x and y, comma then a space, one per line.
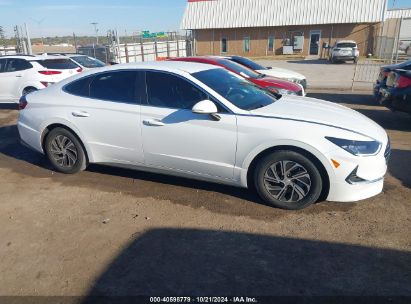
369, 174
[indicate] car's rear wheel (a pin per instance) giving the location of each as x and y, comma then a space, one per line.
288, 180
64, 151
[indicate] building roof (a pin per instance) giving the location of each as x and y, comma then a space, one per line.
207, 14
398, 13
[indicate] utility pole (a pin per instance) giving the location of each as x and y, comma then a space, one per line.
95, 30
29, 50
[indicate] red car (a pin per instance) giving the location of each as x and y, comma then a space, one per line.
275, 85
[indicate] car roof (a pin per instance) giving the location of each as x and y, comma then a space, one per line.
34, 57
346, 41
188, 67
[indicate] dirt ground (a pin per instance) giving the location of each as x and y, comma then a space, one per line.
111, 231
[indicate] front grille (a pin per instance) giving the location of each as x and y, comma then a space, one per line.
387, 152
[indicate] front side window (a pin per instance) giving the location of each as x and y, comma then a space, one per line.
224, 45
248, 63
169, 91
114, 86
14, 65
58, 64
240, 92
246, 44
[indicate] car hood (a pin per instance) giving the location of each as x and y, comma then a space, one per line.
282, 73
322, 112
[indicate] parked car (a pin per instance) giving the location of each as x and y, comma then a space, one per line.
346, 50
270, 71
396, 94
275, 85
204, 122
23, 74
384, 71
86, 62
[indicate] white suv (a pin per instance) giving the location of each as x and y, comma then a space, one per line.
22, 74
344, 51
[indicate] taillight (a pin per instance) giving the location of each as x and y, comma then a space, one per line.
22, 103
49, 72
402, 82
79, 70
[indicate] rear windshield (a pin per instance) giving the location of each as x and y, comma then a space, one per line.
58, 64
88, 62
346, 45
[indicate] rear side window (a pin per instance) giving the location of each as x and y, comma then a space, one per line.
79, 87
58, 64
14, 65
114, 86
166, 90
2, 65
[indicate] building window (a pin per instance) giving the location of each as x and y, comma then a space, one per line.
271, 44
224, 45
246, 44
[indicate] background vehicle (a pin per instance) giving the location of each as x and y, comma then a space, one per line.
86, 62
396, 94
204, 122
270, 71
20, 75
345, 51
275, 85
384, 71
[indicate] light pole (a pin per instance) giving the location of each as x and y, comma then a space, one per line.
95, 30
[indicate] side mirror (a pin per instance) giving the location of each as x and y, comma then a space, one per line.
205, 107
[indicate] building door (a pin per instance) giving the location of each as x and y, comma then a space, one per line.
315, 37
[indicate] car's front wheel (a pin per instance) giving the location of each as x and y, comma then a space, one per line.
288, 180
65, 151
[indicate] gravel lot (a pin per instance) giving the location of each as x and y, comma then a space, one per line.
121, 232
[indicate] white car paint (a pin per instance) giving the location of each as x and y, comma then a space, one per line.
183, 143
283, 74
341, 52
12, 84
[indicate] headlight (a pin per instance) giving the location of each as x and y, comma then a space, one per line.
359, 148
281, 91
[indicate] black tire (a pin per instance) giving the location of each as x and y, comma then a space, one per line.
304, 166
355, 60
28, 91
65, 157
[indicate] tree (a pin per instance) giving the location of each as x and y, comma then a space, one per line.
2, 38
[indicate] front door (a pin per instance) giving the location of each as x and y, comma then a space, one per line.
314, 42
176, 138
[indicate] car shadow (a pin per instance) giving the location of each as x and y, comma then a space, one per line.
400, 166
351, 99
9, 106
193, 262
310, 61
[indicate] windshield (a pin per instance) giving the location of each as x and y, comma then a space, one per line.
239, 69
58, 64
88, 62
248, 63
240, 92
346, 45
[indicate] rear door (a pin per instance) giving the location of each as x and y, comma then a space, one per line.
13, 77
106, 109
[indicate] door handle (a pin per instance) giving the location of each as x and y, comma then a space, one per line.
153, 122
19, 75
80, 114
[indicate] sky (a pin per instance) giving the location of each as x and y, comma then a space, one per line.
63, 17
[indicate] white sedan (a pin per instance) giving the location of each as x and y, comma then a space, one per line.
204, 122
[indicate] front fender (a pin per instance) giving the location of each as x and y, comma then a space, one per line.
279, 143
